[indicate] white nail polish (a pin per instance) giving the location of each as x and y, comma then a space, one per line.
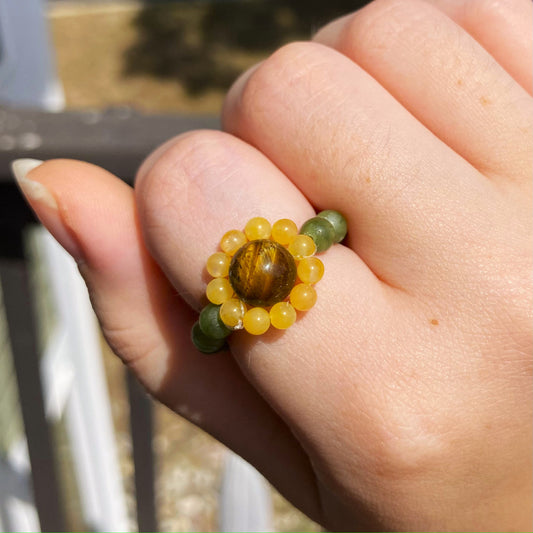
33, 190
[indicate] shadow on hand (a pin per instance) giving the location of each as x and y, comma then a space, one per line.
205, 45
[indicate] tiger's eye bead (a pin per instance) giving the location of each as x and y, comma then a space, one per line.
203, 343
310, 270
218, 264
337, 221
284, 231
219, 290
258, 228
232, 241
302, 246
303, 297
256, 321
262, 273
232, 312
282, 315
211, 324
321, 231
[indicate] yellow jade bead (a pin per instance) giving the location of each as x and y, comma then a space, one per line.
219, 290
282, 315
284, 231
232, 241
258, 228
303, 297
256, 321
302, 246
310, 270
218, 264
232, 312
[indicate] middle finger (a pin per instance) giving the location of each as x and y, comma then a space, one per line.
349, 145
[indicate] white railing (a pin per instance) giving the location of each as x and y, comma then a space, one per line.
74, 388
74, 385
78, 380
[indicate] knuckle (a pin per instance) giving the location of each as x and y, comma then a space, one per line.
184, 161
390, 26
512, 301
380, 24
476, 10
402, 446
285, 70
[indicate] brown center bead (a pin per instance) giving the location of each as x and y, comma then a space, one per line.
262, 273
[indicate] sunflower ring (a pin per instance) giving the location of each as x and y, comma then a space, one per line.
263, 275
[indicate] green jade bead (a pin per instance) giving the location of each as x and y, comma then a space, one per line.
211, 324
203, 343
321, 231
337, 221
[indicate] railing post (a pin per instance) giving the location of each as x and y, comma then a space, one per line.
141, 424
87, 407
22, 328
245, 504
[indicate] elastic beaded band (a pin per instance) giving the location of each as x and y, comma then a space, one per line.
263, 275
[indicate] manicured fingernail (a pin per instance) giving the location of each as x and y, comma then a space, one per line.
45, 205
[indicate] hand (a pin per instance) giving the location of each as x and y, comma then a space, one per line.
402, 400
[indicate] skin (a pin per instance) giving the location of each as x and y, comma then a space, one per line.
403, 400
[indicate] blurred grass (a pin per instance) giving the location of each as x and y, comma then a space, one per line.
173, 56
91, 48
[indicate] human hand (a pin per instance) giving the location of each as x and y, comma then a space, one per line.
402, 400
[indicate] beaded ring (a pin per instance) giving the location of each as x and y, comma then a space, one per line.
263, 275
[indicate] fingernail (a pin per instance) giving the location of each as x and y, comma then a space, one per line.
32, 190
45, 205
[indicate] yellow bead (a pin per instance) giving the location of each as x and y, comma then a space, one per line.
310, 270
219, 290
256, 321
282, 315
303, 297
302, 246
232, 241
232, 312
258, 228
218, 264
284, 231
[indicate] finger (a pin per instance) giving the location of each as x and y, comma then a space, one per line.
211, 182
444, 78
502, 27
93, 213
344, 141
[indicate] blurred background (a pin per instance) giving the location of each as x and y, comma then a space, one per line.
172, 56
106, 81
